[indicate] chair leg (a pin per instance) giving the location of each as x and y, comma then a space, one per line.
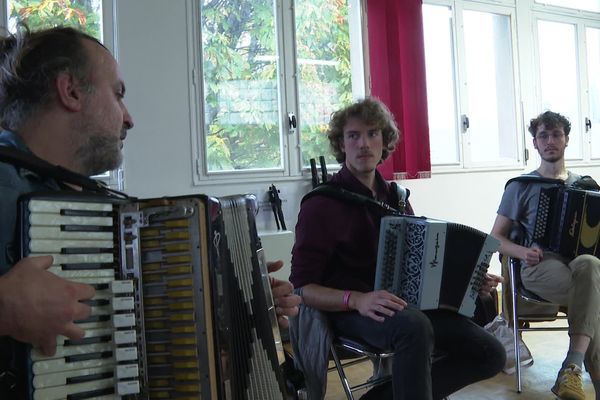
340, 370
515, 321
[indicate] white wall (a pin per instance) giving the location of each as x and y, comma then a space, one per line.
152, 49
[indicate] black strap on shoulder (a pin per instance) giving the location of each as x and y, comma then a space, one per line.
43, 168
586, 182
336, 192
527, 178
402, 193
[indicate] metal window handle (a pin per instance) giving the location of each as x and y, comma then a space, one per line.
465, 122
588, 124
292, 122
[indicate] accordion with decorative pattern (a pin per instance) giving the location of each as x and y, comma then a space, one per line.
433, 264
568, 221
183, 306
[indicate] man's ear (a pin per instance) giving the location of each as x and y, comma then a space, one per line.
69, 92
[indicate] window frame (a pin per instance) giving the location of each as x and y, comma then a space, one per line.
292, 168
457, 8
580, 20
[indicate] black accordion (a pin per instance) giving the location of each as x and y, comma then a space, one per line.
433, 264
568, 221
183, 306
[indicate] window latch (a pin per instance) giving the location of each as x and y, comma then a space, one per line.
465, 122
292, 123
588, 124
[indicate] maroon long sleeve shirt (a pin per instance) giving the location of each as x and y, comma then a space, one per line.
336, 241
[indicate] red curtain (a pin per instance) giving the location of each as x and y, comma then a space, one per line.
397, 63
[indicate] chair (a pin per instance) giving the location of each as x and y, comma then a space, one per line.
522, 322
343, 348
347, 348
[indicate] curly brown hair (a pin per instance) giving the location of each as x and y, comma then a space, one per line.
550, 120
371, 111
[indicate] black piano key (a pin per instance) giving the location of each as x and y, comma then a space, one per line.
100, 286
88, 378
86, 228
86, 213
85, 250
96, 302
67, 267
90, 394
94, 318
88, 356
88, 340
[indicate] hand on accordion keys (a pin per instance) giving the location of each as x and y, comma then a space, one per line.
286, 302
36, 305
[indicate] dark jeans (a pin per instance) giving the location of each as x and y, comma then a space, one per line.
471, 354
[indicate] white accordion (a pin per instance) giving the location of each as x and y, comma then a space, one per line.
433, 264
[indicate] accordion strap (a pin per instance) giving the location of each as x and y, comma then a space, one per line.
336, 192
584, 182
534, 179
43, 168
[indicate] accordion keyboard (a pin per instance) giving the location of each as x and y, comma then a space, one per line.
103, 364
390, 247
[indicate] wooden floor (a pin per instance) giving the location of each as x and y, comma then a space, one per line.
548, 349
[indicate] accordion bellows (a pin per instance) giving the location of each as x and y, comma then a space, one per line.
433, 264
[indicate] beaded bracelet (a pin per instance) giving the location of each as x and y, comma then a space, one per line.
347, 294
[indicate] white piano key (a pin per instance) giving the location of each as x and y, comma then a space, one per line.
79, 258
122, 286
54, 232
125, 388
72, 274
123, 320
122, 303
66, 351
60, 365
61, 392
125, 337
126, 354
60, 378
57, 220
101, 310
55, 246
94, 280
39, 205
124, 371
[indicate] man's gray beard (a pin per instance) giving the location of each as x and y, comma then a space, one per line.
99, 154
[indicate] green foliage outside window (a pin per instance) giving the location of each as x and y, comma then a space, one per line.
241, 86
84, 15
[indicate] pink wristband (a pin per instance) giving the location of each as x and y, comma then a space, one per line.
347, 294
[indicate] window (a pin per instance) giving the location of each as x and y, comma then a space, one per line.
471, 89
272, 73
569, 64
